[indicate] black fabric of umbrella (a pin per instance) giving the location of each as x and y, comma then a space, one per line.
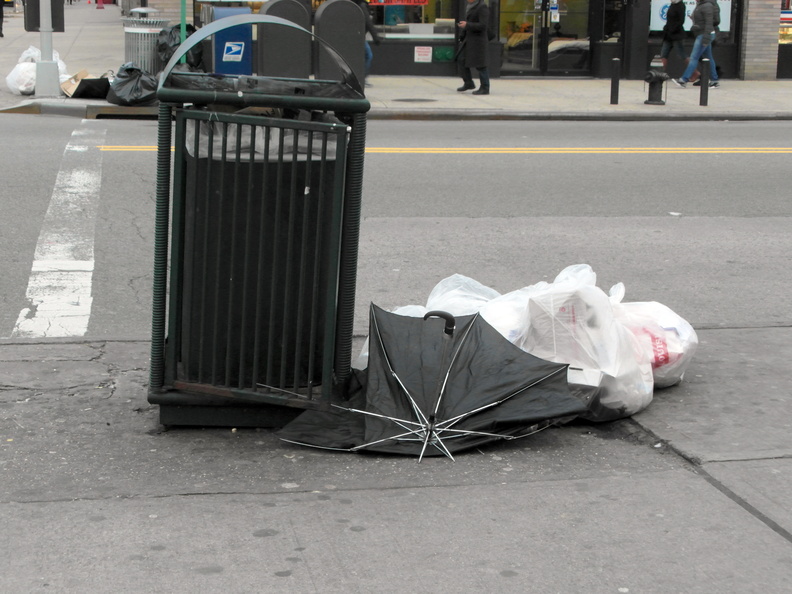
439, 385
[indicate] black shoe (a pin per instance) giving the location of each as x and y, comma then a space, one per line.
481, 91
697, 83
466, 87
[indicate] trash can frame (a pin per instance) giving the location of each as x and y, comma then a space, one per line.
165, 387
328, 219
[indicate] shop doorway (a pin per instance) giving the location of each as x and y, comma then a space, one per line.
545, 37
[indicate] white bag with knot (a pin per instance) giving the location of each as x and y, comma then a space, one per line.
667, 339
22, 79
572, 321
459, 295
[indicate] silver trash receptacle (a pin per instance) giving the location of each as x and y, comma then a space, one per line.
140, 39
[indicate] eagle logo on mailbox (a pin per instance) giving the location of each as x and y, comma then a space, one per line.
233, 50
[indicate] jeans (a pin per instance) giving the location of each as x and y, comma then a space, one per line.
700, 51
368, 59
667, 46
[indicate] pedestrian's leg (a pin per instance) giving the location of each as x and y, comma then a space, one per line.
484, 82
369, 58
665, 50
695, 55
713, 68
467, 79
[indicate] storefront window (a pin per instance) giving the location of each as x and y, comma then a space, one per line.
545, 36
404, 12
660, 8
785, 30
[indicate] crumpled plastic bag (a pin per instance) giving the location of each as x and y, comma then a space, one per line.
459, 295
506, 313
572, 321
667, 340
612, 348
235, 134
169, 40
22, 79
33, 54
132, 86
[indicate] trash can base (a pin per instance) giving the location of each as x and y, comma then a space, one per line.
261, 416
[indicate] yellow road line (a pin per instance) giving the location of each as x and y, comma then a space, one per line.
585, 150
130, 148
537, 150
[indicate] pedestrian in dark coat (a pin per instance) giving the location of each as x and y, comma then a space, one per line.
475, 39
674, 35
375, 36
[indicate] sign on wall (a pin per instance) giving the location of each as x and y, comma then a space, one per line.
404, 2
660, 8
423, 54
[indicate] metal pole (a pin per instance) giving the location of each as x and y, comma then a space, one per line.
615, 75
47, 83
705, 75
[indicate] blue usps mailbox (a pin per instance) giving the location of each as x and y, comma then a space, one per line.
233, 47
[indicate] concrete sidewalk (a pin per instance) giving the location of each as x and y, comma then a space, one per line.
691, 495
94, 40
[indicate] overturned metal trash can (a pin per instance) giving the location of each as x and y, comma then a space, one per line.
253, 320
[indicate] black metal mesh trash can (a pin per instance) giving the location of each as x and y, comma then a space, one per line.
253, 320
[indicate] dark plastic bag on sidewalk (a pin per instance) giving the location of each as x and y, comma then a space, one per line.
170, 39
132, 86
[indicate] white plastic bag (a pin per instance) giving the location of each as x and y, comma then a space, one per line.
22, 79
572, 321
506, 313
667, 339
32, 54
459, 295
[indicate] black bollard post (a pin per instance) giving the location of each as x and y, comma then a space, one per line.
615, 75
705, 75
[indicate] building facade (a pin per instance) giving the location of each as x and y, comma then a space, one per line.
561, 37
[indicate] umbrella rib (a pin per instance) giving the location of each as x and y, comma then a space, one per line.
320, 447
452, 421
416, 409
396, 420
400, 437
451, 364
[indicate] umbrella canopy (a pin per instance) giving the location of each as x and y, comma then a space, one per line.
438, 385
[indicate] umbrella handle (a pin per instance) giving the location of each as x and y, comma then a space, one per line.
450, 321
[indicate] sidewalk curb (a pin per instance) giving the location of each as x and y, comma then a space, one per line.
98, 109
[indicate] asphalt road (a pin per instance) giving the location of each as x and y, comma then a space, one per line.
692, 214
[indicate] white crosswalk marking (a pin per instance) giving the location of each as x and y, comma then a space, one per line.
59, 290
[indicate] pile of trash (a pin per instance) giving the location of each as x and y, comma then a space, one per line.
22, 78
617, 352
131, 86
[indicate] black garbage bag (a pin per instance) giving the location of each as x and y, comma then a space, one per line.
132, 86
170, 39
